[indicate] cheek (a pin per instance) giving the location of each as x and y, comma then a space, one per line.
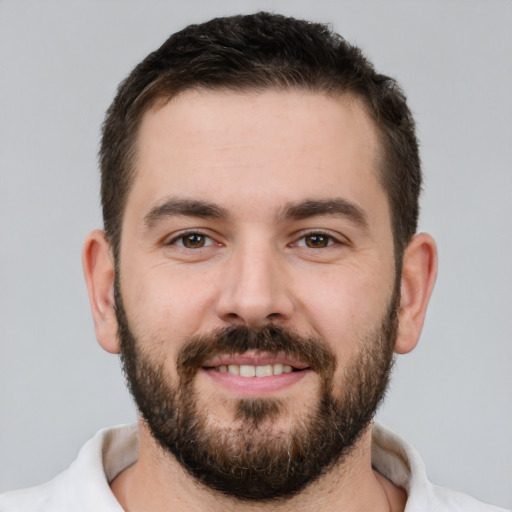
165, 307
344, 306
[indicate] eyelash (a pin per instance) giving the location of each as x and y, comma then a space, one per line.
188, 234
331, 240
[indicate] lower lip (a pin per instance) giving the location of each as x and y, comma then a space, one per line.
255, 386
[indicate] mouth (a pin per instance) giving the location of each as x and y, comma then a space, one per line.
255, 364
247, 370
255, 373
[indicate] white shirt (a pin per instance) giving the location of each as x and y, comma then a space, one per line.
84, 486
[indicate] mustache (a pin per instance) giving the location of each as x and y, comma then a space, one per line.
270, 339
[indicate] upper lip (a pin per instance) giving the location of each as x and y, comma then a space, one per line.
255, 359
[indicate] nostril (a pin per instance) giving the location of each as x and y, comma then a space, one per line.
230, 317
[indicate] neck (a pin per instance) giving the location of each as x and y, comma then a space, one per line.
158, 482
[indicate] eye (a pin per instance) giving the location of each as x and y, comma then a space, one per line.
192, 240
316, 241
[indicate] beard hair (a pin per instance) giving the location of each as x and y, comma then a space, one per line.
249, 460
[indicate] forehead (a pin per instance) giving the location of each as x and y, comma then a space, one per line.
256, 148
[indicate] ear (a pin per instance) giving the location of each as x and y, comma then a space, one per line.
419, 272
98, 266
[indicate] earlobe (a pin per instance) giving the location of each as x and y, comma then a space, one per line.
419, 272
98, 266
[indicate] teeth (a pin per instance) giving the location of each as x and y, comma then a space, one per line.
246, 370
264, 371
278, 369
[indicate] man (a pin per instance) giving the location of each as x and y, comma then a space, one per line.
258, 269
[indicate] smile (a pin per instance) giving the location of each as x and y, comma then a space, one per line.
246, 370
254, 374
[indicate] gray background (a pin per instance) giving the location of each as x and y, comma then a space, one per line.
59, 65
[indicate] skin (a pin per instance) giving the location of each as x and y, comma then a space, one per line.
253, 155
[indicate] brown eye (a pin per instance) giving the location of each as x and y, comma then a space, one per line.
317, 241
192, 241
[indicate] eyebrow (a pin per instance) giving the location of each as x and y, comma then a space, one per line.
295, 211
186, 207
337, 207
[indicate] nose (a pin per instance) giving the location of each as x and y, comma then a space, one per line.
255, 290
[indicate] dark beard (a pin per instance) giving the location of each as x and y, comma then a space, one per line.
250, 461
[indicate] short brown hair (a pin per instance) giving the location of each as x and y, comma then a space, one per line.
257, 52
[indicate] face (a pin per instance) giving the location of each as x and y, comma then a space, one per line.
256, 291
